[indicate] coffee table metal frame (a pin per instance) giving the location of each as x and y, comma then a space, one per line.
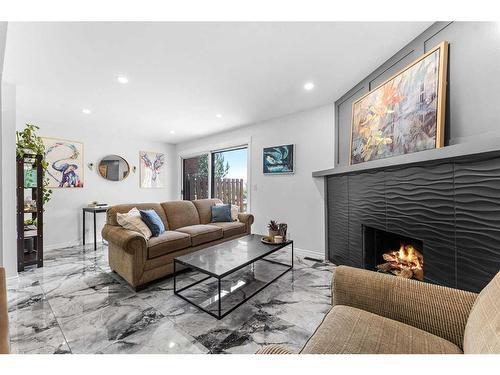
219, 278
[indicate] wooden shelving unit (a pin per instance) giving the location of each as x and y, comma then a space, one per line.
27, 256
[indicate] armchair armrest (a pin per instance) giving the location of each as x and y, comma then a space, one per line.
436, 309
124, 238
273, 349
4, 317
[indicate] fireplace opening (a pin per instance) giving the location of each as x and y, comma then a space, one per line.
392, 253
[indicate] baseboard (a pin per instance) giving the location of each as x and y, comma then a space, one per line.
309, 253
61, 245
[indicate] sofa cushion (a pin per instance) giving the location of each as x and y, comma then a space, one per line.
180, 214
202, 233
124, 208
204, 208
347, 330
482, 332
232, 228
167, 242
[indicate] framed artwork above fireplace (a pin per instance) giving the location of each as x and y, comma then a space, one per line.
405, 114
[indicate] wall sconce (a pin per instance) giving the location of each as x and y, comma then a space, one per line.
91, 166
134, 168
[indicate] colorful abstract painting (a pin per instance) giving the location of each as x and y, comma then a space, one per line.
65, 159
152, 169
404, 114
278, 159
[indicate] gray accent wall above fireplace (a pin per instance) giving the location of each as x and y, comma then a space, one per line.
473, 83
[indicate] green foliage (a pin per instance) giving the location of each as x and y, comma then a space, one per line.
30, 222
28, 142
221, 167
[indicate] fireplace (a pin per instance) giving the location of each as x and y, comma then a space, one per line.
393, 253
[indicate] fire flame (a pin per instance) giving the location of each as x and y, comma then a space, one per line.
406, 262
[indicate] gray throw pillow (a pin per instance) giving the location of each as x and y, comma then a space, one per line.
221, 213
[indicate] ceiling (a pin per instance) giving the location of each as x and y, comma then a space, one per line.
181, 75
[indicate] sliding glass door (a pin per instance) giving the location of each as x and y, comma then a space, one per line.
229, 177
195, 177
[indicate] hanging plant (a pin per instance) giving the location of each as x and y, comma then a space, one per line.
28, 142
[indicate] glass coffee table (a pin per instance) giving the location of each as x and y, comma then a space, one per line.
233, 272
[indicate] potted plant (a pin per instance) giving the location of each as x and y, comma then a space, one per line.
273, 228
29, 142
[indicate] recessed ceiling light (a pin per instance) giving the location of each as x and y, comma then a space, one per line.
218, 115
308, 86
122, 79
172, 131
86, 111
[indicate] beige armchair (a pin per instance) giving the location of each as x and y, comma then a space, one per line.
376, 313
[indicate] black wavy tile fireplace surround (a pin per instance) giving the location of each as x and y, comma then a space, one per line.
452, 207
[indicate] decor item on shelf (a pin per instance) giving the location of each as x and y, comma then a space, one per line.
97, 204
29, 205
282, 228
29, 177
65, 162
278, 159
405, 114
29, 142
113, 168
91, 166
152, 169
273, 228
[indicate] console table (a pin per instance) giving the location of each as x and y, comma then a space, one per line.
94, 211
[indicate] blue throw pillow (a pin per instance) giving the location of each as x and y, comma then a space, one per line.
153, 221
221, 213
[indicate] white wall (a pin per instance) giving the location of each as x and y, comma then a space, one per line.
296, 199
63, 214
8, 172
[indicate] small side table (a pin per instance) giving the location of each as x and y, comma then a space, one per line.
92, 210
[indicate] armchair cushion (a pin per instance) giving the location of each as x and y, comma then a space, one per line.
167, 242
436, 309
202, 233
347, 330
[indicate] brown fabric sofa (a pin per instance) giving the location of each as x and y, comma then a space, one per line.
188, 229
4, 317
375, 313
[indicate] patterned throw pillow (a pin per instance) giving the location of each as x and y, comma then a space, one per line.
153, 221
133, 221
234, 211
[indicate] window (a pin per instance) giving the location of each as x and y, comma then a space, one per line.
195, 177
229, 177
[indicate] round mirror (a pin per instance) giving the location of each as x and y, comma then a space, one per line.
114, 168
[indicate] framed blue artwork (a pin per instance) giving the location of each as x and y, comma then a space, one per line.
279, 159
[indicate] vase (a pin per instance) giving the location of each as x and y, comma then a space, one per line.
273, 233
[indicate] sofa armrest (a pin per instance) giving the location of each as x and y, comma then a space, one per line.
246, 219
4, 317
436, 309
124, 238
273, 349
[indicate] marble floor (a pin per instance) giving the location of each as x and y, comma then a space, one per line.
75, 304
